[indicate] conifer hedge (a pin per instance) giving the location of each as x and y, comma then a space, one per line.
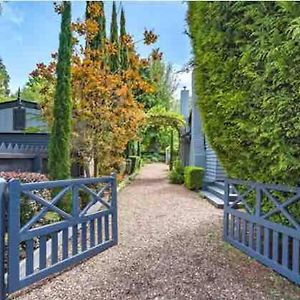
247, 77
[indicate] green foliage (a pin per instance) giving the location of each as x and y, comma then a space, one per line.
161, 77
135, 163
4, 82
193, 177
99, 39
128, 166
33, 89
176, 175
114, 39
159, 127
149, 157
123, 49
161, 117
247, 81
59, 147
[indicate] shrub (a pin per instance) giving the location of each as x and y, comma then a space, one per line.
28, 207
128, 166
135, 163
176, 176
153, 157
193, 177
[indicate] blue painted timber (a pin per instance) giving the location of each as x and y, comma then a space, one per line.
79, 234
30, 139
214, 192
251, 230
3, 185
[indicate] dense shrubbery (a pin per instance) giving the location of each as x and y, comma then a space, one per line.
176, 175
25, 177
153, 157
28, 207
247, 80
135, 163
193, 177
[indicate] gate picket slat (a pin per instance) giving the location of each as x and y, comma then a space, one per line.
244, 231
29, 257
266, 242
237, 233
258, 238
296, 256
54, 248
65, 243
251, 226
74, 239
43, 252
92, 233
275, 246
99, 231
232, 226
285, 251
83, 236
106, 227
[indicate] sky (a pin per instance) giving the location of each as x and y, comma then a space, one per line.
29, 33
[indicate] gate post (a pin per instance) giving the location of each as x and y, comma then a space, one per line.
2, 237
114, 208
13, 215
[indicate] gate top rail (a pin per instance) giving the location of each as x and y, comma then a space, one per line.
277, 187
266, 201
63, 183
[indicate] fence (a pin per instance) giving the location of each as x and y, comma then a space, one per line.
32, 247
267, 228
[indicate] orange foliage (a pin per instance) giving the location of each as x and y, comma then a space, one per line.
106, 115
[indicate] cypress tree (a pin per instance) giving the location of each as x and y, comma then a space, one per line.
99, 40
123, 48
114, 39
59, 147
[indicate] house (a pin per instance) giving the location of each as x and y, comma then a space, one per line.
23, 137
196, 151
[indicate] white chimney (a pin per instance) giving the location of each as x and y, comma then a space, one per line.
184, 103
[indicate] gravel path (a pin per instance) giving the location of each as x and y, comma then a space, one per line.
170, 247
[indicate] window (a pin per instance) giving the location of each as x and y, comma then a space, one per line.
19, 115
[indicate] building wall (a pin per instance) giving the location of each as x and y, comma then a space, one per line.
213, 170
197, 148
32, 120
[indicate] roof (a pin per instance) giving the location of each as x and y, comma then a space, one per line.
17, 103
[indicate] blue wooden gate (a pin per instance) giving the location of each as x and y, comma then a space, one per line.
267, 227
86, 224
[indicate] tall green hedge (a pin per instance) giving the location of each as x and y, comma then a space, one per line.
247, 76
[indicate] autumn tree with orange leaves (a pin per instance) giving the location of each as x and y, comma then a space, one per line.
106, 114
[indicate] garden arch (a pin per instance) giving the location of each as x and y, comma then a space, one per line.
166, 119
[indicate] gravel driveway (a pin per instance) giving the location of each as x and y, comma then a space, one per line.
170, 247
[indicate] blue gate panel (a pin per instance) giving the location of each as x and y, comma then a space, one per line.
253, 230
85, 230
